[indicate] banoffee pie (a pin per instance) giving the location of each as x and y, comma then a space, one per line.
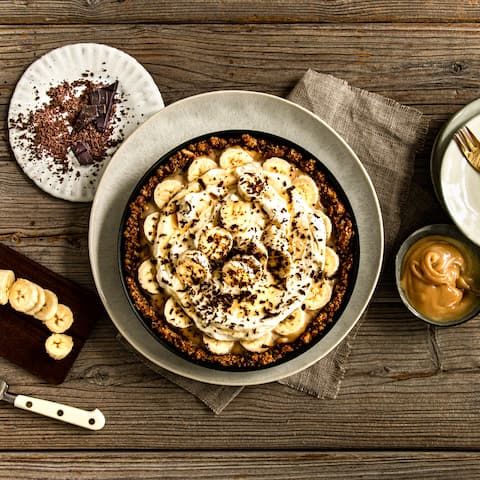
238, 252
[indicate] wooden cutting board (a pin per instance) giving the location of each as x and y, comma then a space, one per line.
22, 337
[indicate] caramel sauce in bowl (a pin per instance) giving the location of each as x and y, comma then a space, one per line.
438, 275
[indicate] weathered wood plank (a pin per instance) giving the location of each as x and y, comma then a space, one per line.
266, 465
432, 68
396, 394
235, 11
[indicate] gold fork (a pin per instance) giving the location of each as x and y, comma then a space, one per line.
469, 145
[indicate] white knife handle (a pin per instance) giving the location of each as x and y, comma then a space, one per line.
93, 420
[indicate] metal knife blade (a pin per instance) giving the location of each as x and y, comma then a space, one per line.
4, 395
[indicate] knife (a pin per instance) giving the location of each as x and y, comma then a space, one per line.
93, 420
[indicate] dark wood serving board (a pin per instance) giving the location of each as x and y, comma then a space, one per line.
22, 337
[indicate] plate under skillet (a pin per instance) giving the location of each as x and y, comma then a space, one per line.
200, 115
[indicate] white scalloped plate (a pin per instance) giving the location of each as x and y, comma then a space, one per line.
140, 99
460, 187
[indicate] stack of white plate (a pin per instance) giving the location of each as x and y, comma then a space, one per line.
456, 182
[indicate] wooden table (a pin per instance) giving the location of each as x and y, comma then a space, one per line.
397, 422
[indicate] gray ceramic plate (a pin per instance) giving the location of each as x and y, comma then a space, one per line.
197, 116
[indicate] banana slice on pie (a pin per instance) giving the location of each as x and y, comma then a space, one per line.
199, 166
293, 325
319, 295
234, 157
175, 315
165, 190
307, 188
278, 165
218, 347
147, 277
150, 226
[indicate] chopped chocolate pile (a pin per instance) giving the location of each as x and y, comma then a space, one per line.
77, 118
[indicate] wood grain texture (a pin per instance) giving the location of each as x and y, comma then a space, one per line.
240, 465
422, 395
433, 68
409, 388
235, 11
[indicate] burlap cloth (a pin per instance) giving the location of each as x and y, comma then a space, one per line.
385, 135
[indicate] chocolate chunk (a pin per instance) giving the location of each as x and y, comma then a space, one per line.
104, 96
82, 151
88, 114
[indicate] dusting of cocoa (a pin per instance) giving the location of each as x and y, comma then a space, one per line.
51, 127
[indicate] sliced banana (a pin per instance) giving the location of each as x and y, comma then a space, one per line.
278, 181
193, 267
219, 177
326, 220
175, 315
40, 302
218, 347
234, 157
7, 277
235, 214
319, 295
23, 295
50, 307
58, 345
150, 226
166, 227
307, 188
241, 272
191, 208
61, 321
259, 345
199, 166
293, 325
215, 243
165, 190
278, 165
332, 262
147, 277
251, 185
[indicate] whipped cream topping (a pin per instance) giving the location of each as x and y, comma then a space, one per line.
240, 246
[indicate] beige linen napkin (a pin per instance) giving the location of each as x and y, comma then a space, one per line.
385, 135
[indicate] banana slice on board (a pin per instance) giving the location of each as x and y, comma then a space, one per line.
319, 295
50, 307
165, 190
233, 157
40, 302
218, 347
23, 295
147, 277
307, 188
199, 166
258, 345
293, 325
58, 345
150, 226
7, 277
61, 321
175, 315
